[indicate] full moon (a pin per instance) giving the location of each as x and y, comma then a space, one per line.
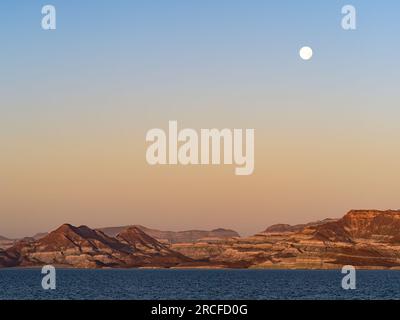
306, 53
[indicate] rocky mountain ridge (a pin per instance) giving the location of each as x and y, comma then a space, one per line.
82, 247
363, 238
368, 239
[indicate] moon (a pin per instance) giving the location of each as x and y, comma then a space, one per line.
306, 53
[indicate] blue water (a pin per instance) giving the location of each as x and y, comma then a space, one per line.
197, 284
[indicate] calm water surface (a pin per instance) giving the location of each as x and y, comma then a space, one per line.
198, 284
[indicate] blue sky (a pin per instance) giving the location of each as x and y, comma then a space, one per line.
326, 128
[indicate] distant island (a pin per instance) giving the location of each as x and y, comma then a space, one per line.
366, 239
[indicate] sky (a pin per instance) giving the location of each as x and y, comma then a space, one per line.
76, 103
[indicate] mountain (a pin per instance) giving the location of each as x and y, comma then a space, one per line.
366, 239
82, 247
278, 228
136, 238
3, 238
362, 238
141, 242
175, 236
358, 225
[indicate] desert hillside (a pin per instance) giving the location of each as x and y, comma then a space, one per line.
363, 238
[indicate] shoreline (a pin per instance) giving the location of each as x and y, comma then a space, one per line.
202, 269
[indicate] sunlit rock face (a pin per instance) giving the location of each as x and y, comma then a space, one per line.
362, 238
82, 247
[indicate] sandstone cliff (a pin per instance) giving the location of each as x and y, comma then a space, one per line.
363, 238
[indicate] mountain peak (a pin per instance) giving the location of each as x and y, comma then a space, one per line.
82, 231
137, 238
66, 227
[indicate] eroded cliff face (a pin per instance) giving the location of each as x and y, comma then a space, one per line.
365, 239
383, 226
362, 238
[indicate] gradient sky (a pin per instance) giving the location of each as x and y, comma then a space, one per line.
76, 103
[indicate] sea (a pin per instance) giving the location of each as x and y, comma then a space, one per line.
166, 284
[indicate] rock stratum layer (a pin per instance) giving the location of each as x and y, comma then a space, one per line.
362, 238
367, 239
